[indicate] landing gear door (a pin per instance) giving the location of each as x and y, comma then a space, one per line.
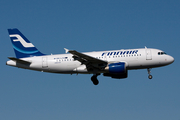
148, 54
44, 62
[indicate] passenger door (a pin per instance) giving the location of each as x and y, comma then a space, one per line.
148, 54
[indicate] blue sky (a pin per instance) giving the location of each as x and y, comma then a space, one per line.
91, 26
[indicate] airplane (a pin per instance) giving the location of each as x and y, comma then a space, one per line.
113, 63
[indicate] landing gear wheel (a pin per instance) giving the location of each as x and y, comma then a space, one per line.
149, 71
94, 80
150, 76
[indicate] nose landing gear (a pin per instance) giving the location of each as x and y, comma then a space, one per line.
94, 79
149, 71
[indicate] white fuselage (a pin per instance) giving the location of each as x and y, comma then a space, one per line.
65, 63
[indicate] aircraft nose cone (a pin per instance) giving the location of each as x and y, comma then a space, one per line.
170, 59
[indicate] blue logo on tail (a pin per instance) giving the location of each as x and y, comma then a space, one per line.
22, 46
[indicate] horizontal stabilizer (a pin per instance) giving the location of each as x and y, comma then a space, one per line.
19, 60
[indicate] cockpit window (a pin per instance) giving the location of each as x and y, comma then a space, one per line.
161, 53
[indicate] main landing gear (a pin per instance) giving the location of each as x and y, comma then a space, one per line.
94, 79
149, 71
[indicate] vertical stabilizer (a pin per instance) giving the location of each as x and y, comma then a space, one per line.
22, 46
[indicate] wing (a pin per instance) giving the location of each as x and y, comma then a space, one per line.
91, 63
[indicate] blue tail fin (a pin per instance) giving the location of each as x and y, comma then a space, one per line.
22, 46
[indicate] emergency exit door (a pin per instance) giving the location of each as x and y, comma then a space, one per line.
44, 62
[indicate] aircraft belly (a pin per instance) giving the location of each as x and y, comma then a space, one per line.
63, 67
133, 64
143, 64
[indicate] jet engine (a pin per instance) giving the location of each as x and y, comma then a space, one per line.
116, 70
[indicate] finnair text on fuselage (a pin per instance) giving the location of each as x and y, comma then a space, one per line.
120, 53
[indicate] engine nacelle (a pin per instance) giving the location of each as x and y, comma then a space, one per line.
116, 70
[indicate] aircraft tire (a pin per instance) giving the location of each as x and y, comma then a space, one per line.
150, 76
94, 80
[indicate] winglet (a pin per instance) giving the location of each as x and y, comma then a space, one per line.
66, 50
